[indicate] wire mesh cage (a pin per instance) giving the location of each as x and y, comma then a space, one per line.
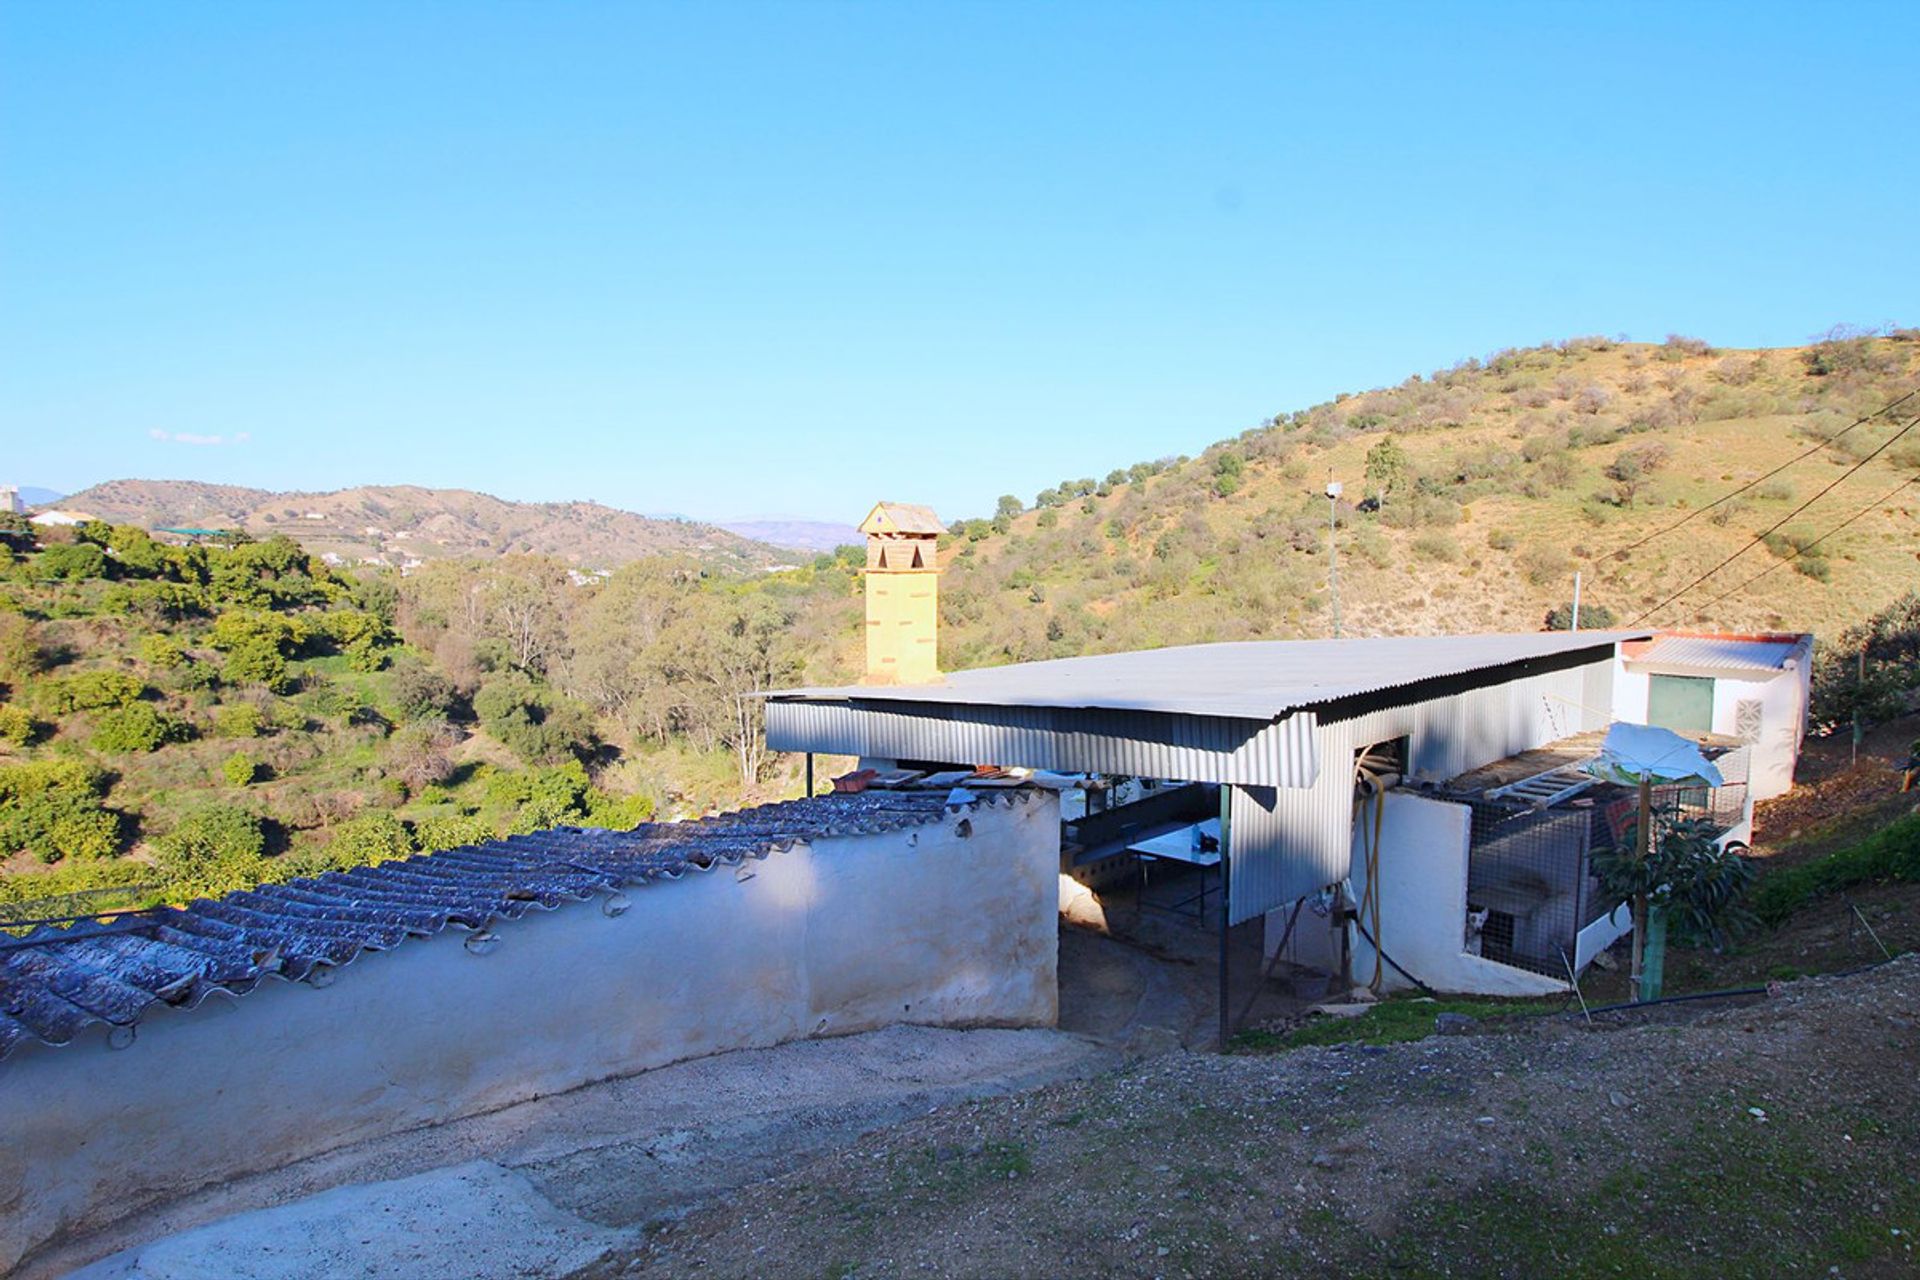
1527, 884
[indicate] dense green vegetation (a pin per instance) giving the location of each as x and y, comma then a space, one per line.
192, 718
1888, 855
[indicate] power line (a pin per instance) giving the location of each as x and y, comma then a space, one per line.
1806, 547
1728, 497
1760, 537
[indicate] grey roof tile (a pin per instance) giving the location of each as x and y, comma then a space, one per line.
92, 971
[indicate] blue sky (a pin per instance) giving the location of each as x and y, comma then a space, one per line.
732, 260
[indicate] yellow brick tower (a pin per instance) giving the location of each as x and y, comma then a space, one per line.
903, 594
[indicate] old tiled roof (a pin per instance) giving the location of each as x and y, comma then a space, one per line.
55, 981
902, 517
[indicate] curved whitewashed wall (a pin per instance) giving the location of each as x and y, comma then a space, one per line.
849, 934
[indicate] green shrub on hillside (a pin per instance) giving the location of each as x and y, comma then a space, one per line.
161, 651
258, 663
89, 691
71, 562
421, 693
1871, 669
237, 720
213, 850
21, 655
53, 809
136, 728
1593, 617
538, 724
1890, 854
368, 839
435, 834
17, 726
239, 769
618, 813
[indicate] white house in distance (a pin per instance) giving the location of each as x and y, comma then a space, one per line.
58, 517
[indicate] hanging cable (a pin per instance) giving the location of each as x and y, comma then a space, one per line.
1806, 547
1760, 537
1623, 552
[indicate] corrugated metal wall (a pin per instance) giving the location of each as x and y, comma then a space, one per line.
1149, 744
1292, 802
1286, 843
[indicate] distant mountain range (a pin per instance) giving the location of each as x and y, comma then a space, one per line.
398, 524
801, 535
34, 496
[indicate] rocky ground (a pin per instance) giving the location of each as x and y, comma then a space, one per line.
1776, 1137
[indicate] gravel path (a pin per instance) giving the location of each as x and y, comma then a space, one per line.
1779, 1138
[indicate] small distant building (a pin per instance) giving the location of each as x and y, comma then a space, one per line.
57, 517
903, 593
1752, 688
10, 502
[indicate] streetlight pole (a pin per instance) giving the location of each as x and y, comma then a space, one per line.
1333, 556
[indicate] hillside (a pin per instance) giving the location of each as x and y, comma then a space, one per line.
398, 524
1471, 498
182, 719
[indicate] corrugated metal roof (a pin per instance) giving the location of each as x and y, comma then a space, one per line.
114, 971
1245, 680
1074, 740
1722, 652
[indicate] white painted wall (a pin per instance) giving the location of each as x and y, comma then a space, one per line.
1783, 713
1423, 905
849, 934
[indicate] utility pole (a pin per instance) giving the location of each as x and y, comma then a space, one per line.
1333, 555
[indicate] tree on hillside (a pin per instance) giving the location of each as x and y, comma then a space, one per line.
1633, 468
526, 601
1389, 470
747, 651
1871, 669
1592, 617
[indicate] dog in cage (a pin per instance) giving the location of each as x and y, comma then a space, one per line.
1476, 925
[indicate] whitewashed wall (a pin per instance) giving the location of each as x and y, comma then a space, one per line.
1423, 905
1783, 714
923, 926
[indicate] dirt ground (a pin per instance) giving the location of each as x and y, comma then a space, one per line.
1778, 1138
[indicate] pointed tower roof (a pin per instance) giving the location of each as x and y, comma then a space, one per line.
901, 517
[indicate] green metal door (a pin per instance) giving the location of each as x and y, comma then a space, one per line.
1681, 703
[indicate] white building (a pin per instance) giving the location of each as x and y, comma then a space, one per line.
1753, 688
57, 517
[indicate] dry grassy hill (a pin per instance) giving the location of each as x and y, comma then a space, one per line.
397, 523
1512, 474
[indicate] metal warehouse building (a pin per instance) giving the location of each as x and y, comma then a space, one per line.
1279, 724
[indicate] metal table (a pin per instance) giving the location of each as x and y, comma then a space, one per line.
1180, 846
